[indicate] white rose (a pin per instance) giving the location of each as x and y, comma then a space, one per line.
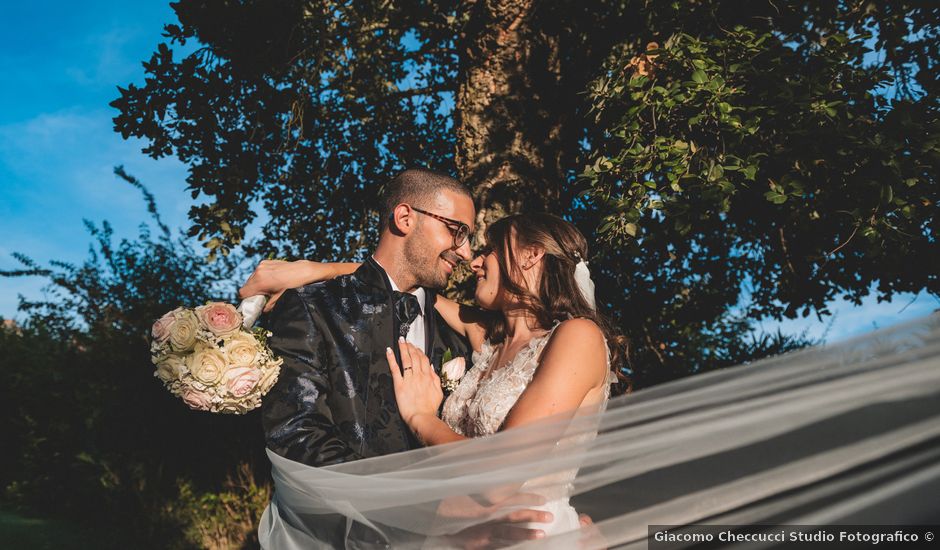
269, 377
207, 365
241, 349
169, 368
183, 331
454, 369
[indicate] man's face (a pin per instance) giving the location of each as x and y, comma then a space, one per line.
430, 250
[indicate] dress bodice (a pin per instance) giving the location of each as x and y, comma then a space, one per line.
482, 401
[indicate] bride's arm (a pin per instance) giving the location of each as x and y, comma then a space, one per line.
573, 364
272, 277
468, 321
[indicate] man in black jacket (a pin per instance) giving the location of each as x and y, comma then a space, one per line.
334, 400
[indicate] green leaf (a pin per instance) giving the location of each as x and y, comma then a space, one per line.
699, 76
775, 197
750, 171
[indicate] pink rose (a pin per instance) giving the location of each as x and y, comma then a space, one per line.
161, 329
240, 381
196, 399
220, 318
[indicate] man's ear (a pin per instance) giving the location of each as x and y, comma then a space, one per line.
403, 219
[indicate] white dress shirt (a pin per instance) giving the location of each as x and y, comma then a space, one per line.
415, 336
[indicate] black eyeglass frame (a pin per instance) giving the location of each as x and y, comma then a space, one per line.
461, 227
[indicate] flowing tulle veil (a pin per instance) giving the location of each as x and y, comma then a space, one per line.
841, 434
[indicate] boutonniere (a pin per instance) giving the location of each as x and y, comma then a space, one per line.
452, 370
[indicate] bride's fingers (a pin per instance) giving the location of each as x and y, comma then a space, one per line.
271, 300
426, 365
393, 366
407, 361
421, 363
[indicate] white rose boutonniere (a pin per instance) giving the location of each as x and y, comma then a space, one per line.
452, 370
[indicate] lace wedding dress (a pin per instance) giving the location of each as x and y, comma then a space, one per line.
482, 401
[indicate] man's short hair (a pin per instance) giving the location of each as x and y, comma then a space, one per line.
417, 187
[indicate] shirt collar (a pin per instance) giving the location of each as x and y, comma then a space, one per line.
418, 292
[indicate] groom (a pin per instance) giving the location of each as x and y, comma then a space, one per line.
334, 400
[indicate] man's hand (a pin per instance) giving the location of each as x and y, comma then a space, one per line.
272, 277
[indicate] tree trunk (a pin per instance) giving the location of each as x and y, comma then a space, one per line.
509, 132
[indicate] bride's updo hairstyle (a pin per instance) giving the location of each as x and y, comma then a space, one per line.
558, 297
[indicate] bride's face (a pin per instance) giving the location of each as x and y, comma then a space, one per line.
489, 292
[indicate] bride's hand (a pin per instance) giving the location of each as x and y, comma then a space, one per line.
272, 277
417, 387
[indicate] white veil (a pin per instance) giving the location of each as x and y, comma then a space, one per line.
846, 434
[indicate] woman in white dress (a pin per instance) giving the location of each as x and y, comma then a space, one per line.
540, 348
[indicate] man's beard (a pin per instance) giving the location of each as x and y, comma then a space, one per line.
423, 265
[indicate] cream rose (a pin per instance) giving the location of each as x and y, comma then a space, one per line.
169, 368
269, 377
220, 318
183, 330
207, 365
196, 399
161, 329
241, 349
241, 380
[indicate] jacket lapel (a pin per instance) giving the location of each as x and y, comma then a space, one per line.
435, 346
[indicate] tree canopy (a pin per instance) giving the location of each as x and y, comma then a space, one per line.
775, 155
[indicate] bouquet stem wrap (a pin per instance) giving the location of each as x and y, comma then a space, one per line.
251, 309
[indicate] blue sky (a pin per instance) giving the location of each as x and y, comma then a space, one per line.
60, 64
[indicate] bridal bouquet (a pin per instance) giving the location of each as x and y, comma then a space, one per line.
206, 357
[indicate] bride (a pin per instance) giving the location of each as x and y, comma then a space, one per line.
540, 347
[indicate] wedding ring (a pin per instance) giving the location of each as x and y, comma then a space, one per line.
407, 368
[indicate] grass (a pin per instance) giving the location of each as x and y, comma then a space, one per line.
17, 531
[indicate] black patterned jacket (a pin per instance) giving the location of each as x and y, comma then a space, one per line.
334, 401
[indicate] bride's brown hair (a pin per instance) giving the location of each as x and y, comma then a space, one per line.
558, 297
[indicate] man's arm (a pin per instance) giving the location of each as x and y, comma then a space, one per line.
298, 422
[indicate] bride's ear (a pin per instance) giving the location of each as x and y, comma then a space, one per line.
532, 255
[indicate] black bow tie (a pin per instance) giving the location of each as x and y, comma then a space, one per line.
407, 310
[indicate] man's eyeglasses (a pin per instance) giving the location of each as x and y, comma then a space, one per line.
460, 230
